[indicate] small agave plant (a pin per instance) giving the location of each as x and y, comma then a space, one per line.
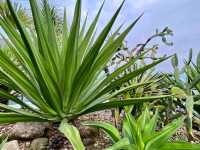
63, 81
141, 134
188, 88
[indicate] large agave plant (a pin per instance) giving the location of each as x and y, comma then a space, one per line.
63, 81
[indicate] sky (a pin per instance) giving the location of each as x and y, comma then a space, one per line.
182, 16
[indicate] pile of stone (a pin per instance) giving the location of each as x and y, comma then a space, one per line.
45, 136
31, 134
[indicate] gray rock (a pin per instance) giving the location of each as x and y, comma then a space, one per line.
88, 132
39, 144
89, 141
30, 130
12, 145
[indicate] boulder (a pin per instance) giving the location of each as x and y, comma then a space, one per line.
12, 145
39, 144
29, 130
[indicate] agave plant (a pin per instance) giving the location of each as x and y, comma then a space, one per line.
141, 134
192, 71
63, 81
185, 86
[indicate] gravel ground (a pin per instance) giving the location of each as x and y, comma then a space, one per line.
181, 135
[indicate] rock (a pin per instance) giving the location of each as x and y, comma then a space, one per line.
39, 144
28, 130
12, 145
89, 141
24, 145
88, 132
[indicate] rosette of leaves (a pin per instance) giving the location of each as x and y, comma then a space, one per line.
63, 82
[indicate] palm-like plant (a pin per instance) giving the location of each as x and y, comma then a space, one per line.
141, 134
63, 81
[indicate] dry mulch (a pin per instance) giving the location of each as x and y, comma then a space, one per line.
181, 135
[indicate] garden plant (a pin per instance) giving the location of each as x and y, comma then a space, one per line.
141, 134
67, 80
185, 84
